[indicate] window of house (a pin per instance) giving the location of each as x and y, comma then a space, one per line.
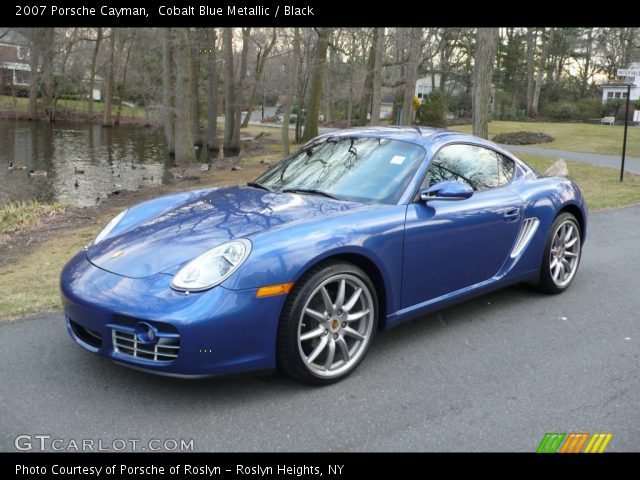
479, 167
609, 94
22, 53
617, 95
624, 94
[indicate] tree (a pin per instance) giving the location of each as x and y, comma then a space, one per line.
92, 72
185, 152
194, 67
530, 60
482, 80
230, 146
123, 83
378, 42
292, 82
34, 60
168, 87
108, 100
408, 112
262, 56
212, 111
315, 94
48, 58
533, 111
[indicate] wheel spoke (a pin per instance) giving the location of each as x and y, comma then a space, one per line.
357, 316
556, 271
566, 266
344, 348
352, 301
318, 350
570, 254
568, 235
340, 295
554, 262
352, 333
331, 353
315, 314
328, 304
562, 271
312, 334
571, 242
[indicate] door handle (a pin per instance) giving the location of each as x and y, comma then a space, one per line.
511, 214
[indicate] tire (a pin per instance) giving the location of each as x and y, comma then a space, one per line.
326, 345
553, 274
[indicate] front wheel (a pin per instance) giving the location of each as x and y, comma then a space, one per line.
561, 255
327, 324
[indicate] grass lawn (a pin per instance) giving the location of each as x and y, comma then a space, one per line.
575, 137
20, 104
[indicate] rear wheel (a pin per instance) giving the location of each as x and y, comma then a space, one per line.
561, 255
327, 324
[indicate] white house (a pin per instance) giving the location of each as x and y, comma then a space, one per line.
425, 85
618, 91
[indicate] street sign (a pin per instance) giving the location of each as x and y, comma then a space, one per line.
626, 72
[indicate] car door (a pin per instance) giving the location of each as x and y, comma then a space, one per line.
451, 245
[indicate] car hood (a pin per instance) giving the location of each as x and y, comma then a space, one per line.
190, 229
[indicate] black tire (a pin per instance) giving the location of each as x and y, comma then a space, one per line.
289, 350
546, 282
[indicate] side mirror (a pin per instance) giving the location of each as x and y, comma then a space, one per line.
447, 190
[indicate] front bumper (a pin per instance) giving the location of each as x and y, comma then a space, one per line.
219, 331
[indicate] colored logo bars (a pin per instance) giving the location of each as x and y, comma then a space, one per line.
573, 442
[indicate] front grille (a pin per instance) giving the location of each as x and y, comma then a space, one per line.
90, 337
166, 349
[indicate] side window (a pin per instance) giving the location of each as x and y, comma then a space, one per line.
479, 167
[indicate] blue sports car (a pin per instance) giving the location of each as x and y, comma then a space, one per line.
358, 231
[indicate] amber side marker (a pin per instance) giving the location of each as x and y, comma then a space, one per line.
272, 290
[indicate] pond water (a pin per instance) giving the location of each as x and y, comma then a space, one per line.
83, 163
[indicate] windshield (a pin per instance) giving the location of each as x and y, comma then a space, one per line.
360, 169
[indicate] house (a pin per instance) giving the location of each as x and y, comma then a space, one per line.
15, 70
618, 90
425, 85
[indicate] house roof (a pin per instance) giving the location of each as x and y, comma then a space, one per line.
10, 36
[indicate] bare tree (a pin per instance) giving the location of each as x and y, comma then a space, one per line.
168, 87
315, 94
185, 152
292, 82
127, 42
108, 100
533, 111
194, 67
34, 85
212, 111
48, 58
262, 56
408, 112
378, 41
92, 72
230, 146
482, 77
531, 47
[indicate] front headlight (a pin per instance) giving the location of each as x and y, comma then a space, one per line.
212, 267
110, 226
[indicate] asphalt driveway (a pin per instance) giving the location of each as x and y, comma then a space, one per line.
495, 373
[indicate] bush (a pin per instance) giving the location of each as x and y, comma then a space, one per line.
562, 110
523, 138
589, 108
432, 112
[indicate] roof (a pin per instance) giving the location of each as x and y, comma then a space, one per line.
12, 37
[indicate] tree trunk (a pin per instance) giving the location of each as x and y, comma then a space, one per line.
367, 91
259, 73
292, 82
48, 40
168, 81
315, 94
123, 85
482, 76
530, 59
92, 72
240, 93
587, 63
408, 112
533, 111
230, 148
185, 152
212, 112
108, 101
194, 66
34, 84
377, 76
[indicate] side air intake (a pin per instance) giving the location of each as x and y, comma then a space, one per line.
529, 227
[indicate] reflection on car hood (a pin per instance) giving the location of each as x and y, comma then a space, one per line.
191, 229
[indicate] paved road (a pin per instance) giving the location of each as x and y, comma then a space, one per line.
493, 374
631, 164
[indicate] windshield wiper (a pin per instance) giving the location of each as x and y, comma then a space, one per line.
258, 185
312, 191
